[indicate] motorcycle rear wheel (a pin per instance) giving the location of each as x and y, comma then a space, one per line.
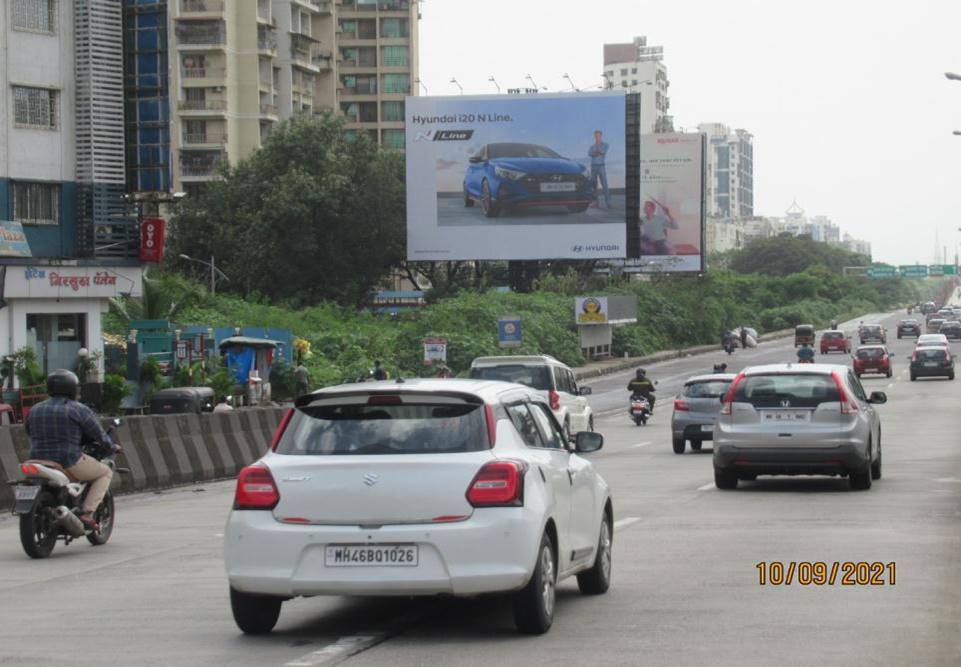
105, 517
38, 532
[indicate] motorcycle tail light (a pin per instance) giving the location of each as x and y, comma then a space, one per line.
29, 469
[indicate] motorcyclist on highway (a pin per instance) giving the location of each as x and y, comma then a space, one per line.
56, 429
805, 354
641, 386
744, 337
720, 368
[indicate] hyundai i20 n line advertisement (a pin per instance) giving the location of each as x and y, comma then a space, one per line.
516, 177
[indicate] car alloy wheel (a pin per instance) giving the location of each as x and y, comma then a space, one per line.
547, 585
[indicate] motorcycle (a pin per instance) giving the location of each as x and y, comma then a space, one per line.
640, 410
48, 502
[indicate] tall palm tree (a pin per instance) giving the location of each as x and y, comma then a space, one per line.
163, 298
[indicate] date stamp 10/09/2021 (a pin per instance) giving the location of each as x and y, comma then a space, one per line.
823, 573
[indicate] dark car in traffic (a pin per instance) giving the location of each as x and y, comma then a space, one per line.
951, 330
932, 362
872, 333
909, 328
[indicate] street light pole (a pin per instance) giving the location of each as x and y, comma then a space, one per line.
214, 271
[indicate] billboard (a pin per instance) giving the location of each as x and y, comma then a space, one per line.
590, 310
671, 227
516, 177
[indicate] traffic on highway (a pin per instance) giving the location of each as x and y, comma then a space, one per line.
411, 521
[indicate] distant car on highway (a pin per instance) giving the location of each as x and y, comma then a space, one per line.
553, 379
696, 408
419, 488
932, 362
934, 325
504, 175
868, 333
835, 341
872, 359
935, 339
909, 327
789, 419
951, 330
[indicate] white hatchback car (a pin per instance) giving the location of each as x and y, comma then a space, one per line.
419, 487
553, 379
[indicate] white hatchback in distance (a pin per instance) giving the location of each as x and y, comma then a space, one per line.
420, 487
552, 379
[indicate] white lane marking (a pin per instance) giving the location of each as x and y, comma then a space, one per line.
948, 480
340, 650
625, 522
706, 487
890, 385
639, 445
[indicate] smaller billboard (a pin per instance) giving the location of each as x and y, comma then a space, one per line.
435, 350
509, 331
13, 240
152, 236
590, 310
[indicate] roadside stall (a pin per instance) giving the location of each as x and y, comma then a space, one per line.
249, 361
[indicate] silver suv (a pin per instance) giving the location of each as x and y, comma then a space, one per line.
789, 419
695, 410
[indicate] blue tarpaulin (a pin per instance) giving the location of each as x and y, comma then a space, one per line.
240, 360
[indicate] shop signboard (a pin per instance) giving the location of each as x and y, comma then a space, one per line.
13, 240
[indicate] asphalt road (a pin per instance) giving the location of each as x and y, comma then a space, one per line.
685, 583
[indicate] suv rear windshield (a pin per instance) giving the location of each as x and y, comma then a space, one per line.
798, 391
707, 389
359, 429
535, 377
870, 353
931, 354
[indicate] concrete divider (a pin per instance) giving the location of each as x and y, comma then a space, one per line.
165, 450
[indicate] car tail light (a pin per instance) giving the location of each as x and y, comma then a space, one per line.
847, 407
555, 400
29, 469
281, 427
729, 396
256, 489
498, 484
491, 425
384, 399
681, 406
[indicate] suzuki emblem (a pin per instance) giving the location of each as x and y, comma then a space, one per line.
371, 478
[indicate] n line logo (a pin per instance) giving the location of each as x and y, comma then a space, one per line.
444, 135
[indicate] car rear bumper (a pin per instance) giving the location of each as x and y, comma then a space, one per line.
940, 371
492, 551
693, 430
789, 460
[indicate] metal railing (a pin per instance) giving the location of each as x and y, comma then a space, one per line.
193, 34
201, 6
268, 109
200, 169
267, 43
203, 72
202, 105
205, 138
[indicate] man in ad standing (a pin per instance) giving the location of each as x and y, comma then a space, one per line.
598, 152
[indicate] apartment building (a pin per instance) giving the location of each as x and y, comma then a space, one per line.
729, 177
208, 79
69, 240
639, 68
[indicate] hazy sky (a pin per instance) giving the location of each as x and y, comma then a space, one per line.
847, 99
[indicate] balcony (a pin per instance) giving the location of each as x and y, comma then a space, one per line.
394, 5
205, 139
188, 8
269, 110
302, 48
194, 35
202, 105
322, 6
217, 73
323, 60
203, 170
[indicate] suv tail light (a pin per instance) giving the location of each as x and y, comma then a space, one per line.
256, 489
498, 484
847, 407
281, 427
681, 406
729, 396
555, 400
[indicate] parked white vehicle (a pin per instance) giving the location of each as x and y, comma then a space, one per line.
553, 380
419, 487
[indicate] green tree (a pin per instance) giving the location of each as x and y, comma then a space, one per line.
312, 215
786, 254
164, 297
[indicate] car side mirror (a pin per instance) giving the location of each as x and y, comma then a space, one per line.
585, 391
878, 398
586, 442
476, 159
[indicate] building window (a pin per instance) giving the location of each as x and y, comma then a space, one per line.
394, 56
394, 28
35, 15
633, 70
392, 111
35, 107
393, 139
396, 83
633, 82
624, 72
36, 203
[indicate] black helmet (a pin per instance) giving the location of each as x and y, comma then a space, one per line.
62, 383
641, 372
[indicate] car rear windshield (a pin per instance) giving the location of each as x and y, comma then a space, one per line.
833, 335
785, 390
871, 328
535, 377
358, 429
519, 150
870, 353
707, 389
931, 354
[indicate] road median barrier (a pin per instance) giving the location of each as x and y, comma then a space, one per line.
165, 450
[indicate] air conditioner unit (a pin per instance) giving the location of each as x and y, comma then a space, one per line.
218, 89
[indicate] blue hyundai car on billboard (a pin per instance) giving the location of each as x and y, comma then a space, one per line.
505, 175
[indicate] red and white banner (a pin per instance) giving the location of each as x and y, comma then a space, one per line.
152, 236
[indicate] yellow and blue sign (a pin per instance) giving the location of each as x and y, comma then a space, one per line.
13, 240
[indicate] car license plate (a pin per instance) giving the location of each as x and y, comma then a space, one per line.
707, 428
558, 187
371, 555
931, 364
26, 492
786, 416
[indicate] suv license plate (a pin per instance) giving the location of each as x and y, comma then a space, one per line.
372, 555
786, 416
26, 492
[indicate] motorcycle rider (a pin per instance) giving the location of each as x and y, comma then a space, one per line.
641, 386
744, 337
56, 429
727, 341
805, 354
